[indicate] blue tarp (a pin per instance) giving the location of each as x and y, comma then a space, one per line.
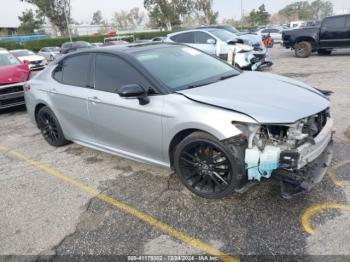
22, 38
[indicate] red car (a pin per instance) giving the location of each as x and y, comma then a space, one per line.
13, 75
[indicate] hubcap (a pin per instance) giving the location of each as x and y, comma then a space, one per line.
205, 167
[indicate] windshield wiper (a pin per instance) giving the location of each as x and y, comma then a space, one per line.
199, 85
228, 76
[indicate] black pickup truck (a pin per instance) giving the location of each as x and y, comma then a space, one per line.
332, 33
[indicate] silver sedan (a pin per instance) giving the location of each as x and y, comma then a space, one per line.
172, 105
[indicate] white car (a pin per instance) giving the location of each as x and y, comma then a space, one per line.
275, 33
34, 61
50, 53
248, 55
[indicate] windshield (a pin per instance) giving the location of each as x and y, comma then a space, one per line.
222, 34
8, 59
53, 49
231, 28
20, 53
181, 67
83, 44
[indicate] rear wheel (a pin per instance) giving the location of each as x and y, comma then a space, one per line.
303, 49
50, 127
205, 166
324, 52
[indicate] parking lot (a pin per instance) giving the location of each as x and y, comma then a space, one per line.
78, 201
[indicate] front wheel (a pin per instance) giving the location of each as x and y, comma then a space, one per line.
303, 49
205, 166
50, 127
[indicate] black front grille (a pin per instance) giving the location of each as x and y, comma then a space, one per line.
36, 62
11, 101
11, 89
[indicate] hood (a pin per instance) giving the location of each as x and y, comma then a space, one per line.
31, 58
265, 97
253, 39
14, 74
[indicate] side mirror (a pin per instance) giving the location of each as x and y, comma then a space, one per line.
211, 41
134, 91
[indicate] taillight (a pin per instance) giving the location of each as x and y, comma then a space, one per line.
26, 87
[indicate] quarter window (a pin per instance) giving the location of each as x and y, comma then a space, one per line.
74, 70
187, 38
111, 72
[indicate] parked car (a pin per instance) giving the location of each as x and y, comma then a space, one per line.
97, 44
35, 62
70, 47
178, 107
13, 75
274, 32
116, 42
333, 33
50, 53
219, 42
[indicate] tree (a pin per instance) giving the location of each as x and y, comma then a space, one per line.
259, 17
167, 13
136, 17
97, 18
204, 9
30, 22
321, 9
121, 20
303, 10
56, 11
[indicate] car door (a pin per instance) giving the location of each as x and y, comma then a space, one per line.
123, 125
69, 96
347, 27
333, 32
201, 42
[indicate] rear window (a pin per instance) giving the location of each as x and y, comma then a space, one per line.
74, 70
335, 22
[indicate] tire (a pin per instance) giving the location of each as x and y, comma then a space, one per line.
303, 49
205, 166
50, 127
324, 52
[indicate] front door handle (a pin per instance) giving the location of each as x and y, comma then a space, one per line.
94, 99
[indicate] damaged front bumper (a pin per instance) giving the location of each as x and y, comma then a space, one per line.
298, 169
304, 179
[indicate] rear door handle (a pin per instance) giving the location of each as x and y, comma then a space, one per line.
53, 91
94, 99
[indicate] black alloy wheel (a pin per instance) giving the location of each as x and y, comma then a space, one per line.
205, 166
50, 127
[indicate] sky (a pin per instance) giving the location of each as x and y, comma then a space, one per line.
82, 10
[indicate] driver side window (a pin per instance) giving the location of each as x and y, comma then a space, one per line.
111, 72
202, 38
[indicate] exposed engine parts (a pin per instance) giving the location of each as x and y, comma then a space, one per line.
278, 146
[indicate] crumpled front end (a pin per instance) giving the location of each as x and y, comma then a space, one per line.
297, 154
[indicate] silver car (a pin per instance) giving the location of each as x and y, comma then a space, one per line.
172, 105
50, 53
